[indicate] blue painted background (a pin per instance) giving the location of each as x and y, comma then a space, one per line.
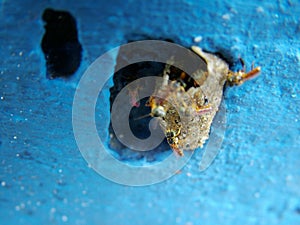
254, 180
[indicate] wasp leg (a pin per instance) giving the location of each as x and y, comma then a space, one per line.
253, 73
238, 78
203, 109
177, 150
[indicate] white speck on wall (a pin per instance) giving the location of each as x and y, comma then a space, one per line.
15, 137
84, 204
255, 46
259, 9
251, 163
226, 16
64, 218
178, 219
235, 48
22, 205
3, 183
52, 210
197, 39
256, 194
289, 177
298, 56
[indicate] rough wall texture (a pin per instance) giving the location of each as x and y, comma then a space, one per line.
254, 180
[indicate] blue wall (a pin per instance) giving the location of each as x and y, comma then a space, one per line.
254, 180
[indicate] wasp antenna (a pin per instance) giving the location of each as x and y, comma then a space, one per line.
142, 117
243, 64
177, 151
252, 65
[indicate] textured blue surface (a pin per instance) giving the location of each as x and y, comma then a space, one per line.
254, 180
